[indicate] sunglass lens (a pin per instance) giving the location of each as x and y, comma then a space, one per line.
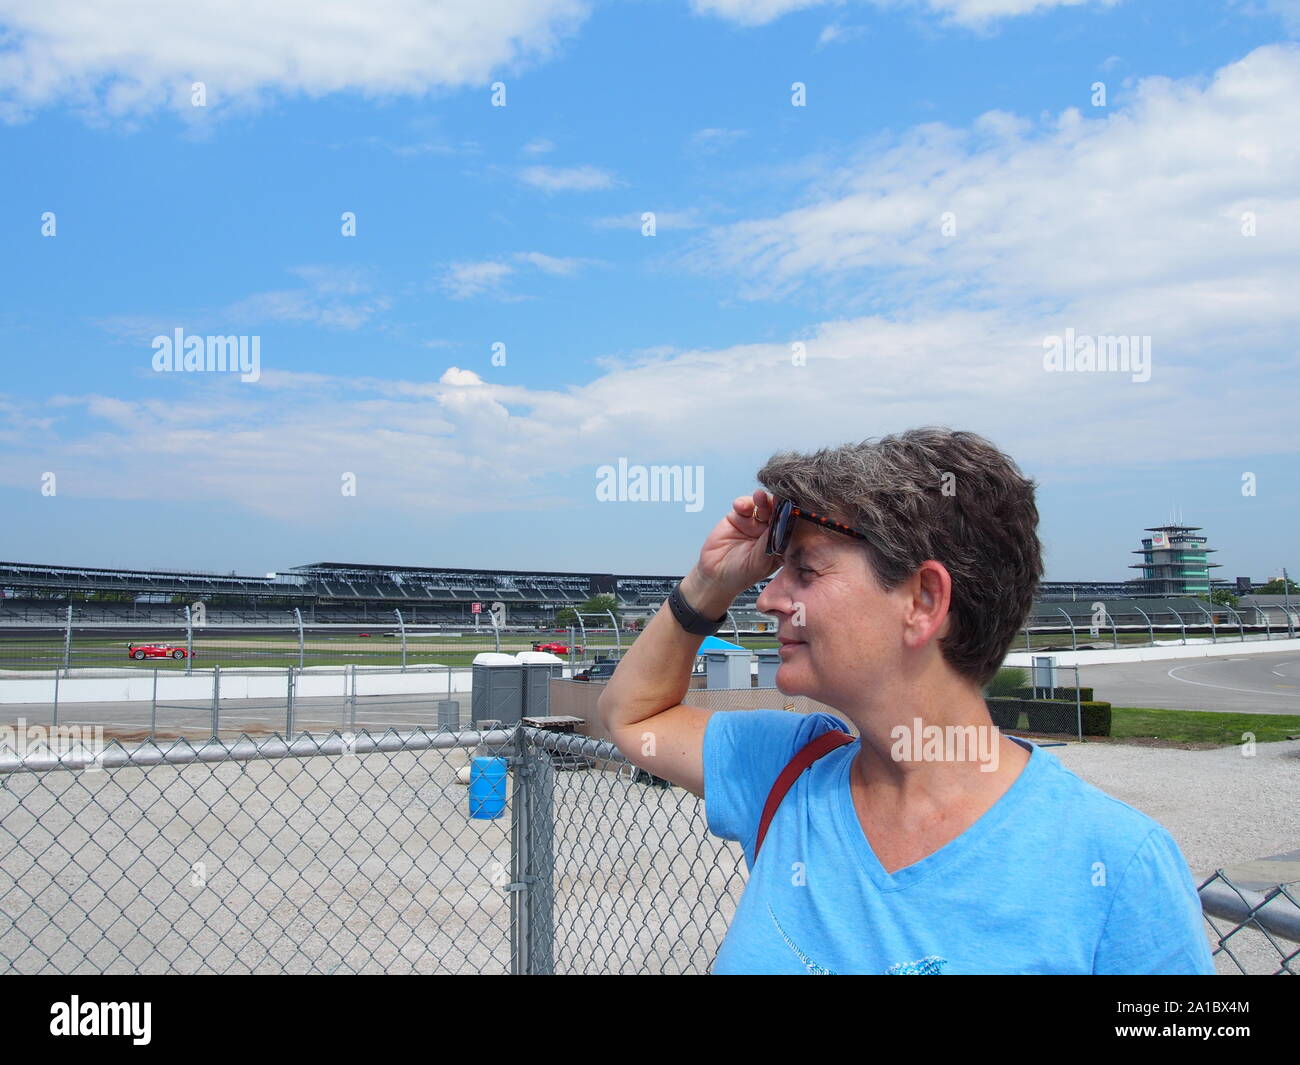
779, 537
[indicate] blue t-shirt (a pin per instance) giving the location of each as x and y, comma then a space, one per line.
1056, 877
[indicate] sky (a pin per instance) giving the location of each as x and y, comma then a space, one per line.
484, 248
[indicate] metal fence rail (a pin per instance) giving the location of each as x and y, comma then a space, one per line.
1261, 932
356, 852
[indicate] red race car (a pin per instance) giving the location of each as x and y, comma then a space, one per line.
554, 648
142, 651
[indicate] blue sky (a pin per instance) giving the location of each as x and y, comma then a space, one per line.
522, 225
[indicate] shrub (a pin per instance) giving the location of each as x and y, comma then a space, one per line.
1085, 694
1007, 681
1004, 712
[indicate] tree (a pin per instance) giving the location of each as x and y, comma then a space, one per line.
1223, 597
597, 604
1275, 587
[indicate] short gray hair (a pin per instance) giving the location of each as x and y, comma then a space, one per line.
933, 493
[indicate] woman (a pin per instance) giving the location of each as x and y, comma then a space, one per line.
931, 844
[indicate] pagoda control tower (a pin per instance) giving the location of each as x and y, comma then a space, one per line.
1174, 561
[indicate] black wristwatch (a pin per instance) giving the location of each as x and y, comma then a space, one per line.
688, 617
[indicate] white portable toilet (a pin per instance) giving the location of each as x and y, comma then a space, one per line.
769, 661
498, 688
539, 668
728, 669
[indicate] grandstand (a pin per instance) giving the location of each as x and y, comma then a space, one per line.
426, 595
321, 592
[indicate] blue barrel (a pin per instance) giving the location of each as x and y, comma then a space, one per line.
487, 787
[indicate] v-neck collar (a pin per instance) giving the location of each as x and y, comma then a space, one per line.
954, 848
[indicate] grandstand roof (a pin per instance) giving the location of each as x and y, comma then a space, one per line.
130, 572
377, 568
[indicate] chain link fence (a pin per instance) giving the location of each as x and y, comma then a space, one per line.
197, 645
229, 703
359, 852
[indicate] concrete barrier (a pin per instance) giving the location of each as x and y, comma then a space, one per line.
1222, 649
135, 685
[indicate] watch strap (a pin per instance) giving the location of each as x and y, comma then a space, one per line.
688, 617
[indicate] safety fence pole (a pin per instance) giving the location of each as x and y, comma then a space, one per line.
350, 684
67, 642
288, 704
401, 626
216, 700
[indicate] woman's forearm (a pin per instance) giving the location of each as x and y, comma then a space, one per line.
655, 674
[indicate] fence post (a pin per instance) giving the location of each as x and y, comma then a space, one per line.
350, 685
1078, 703
216, 700
153, 707
518, 856
401, 625
67, 642
297, 616
56, 696
189, 643
288, 712
532, 860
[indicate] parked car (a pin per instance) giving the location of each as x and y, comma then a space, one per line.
554, 648
597, 671
155, 650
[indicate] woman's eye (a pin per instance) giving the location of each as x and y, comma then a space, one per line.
804, 571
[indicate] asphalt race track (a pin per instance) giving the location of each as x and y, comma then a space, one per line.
1250, 684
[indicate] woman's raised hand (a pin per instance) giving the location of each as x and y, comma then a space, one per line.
734, 557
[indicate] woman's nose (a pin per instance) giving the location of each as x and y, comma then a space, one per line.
773, 600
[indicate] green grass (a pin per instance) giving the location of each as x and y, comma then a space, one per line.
1194, 726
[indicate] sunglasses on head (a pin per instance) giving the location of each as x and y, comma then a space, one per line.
782, 526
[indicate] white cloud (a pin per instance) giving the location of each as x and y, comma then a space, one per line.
331, 297
549, 264
687, 219
465, 280
337, 299
752, 12
962, 12
1286, 10
1136, 201
538, 146
568, 179
714, 139
138, 55
837, 34
463, 441
1129, 223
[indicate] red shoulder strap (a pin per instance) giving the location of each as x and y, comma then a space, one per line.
810, 752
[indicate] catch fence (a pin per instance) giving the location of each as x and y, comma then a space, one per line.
357, 852
193, 644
